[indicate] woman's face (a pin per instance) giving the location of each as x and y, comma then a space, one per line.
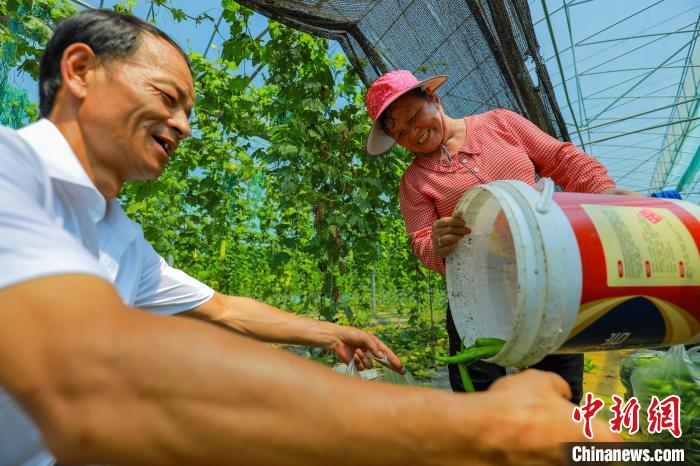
415, 123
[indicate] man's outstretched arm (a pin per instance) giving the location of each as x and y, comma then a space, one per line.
109, 384
267, 323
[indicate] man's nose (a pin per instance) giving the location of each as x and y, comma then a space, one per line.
181, 123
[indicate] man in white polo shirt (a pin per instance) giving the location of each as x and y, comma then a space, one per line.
99, 380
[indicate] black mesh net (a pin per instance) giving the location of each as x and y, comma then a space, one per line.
484, 46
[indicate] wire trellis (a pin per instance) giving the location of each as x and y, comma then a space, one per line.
482, 45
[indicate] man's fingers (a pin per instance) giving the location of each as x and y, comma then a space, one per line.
535, 381
359, 365
380, 350
371, 343
561, 386
364, 360
393, 359
557, 383
364, 346
602, 433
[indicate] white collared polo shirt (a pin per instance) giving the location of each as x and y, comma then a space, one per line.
54, 221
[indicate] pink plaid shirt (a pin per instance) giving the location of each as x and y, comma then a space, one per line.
500, 145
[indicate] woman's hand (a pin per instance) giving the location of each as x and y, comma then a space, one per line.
447, 232
620, 192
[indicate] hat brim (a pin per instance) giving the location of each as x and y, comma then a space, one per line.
378, 142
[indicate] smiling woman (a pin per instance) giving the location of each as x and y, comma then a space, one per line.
414, 121
401, 106
452, 155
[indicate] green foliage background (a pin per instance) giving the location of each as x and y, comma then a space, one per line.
272, 197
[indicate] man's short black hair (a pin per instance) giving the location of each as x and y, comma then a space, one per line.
110, 35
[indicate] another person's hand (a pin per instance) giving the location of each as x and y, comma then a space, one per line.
446, 233
620, 192
350, 342
534, 418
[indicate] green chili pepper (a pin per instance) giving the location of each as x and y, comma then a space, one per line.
685, 384
466, 380
471, 354
489, 342
482, 348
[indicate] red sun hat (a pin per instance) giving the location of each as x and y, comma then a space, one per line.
384, 92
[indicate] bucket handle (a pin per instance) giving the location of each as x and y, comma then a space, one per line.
547, 193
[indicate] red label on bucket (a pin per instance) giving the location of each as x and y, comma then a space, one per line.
650, 215
640, 271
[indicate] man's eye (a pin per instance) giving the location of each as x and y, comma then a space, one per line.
168, 98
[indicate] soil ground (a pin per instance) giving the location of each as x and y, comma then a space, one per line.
604, 380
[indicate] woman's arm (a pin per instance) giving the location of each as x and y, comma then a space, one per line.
569, 167
419, 214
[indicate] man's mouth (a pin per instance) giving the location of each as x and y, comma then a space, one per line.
164, 143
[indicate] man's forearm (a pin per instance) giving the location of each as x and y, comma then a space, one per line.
133, 388
264, 322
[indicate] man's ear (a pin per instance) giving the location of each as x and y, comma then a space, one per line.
77, 64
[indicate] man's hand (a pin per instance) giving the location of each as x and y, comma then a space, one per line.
351, 342
535, 418
446, 233
620, 192
267, 323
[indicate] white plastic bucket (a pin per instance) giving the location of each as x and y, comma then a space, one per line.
539, 271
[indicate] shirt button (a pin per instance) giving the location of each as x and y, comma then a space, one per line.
475, 169
464, 160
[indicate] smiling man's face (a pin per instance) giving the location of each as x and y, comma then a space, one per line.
136, 111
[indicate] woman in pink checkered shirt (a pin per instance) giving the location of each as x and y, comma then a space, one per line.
455, 154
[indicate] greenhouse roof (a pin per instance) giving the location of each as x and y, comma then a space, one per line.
627, 79
627, 82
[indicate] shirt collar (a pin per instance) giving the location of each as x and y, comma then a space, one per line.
472, 143
62, 164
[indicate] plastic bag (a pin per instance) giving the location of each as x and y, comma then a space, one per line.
382, 372
674, 373
694, 355
632, 361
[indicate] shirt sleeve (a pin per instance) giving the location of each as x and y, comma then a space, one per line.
419, 214
33, 243
166, 290
567, 165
